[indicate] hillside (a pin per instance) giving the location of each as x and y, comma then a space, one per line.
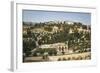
75, 35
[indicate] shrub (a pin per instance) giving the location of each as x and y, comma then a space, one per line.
64, 59
63, 53
59, 59
73, 58
80, 58
69, 58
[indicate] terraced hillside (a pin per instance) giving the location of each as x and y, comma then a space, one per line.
53, 39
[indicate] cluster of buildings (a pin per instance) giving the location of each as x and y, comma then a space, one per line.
59, 22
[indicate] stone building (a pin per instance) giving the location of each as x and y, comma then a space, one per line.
60, 48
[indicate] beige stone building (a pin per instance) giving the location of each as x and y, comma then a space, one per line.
60, 47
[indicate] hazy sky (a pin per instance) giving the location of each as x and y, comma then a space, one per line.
41, 16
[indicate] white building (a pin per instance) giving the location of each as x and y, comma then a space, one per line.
55, 29
60, 47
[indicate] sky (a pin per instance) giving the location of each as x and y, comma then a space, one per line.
44, 16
